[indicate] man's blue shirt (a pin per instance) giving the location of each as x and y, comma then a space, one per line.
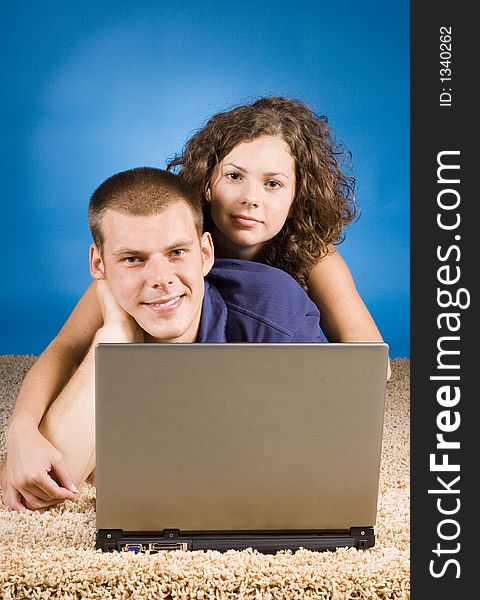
247, 301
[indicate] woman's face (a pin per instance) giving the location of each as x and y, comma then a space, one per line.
252, 191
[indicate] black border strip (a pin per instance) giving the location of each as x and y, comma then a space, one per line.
444, 228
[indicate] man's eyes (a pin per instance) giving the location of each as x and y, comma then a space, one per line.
131, 260
136, 260
178, 252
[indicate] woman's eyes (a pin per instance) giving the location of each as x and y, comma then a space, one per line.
232, 175
273, 184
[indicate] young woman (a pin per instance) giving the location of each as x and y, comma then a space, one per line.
275, 161
274, 191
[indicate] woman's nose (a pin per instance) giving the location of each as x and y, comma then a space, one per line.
251, 196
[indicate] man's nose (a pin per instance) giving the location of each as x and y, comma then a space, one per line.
159, 273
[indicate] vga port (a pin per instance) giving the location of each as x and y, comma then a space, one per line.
136, 548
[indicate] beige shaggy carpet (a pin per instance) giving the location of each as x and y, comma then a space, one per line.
52, 555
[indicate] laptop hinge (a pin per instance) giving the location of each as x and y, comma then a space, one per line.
107, 539
171, 533
364, 536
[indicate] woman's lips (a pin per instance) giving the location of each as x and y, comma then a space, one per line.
164, 307
245, 220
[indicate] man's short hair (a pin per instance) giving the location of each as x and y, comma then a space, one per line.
142, 192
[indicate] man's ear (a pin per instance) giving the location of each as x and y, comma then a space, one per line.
208, 253
97, 268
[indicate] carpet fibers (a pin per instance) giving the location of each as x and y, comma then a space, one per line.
52, 555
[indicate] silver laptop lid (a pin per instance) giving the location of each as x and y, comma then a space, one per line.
238, 437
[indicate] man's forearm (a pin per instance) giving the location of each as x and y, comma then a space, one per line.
69, 423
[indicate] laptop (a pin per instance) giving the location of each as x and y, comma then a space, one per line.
235, 446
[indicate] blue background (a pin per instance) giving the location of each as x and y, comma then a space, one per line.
89, 89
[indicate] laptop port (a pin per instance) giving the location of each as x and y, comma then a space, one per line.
160, 546
136, 548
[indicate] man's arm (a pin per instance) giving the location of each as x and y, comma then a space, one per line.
69, 424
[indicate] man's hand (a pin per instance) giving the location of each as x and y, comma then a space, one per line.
34, 476
118, 325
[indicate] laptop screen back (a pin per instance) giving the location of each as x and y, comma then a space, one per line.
238, 437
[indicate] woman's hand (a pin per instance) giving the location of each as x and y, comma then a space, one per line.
34, 476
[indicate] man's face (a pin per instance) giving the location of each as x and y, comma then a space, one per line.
155, 267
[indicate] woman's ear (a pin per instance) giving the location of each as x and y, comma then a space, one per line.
208, 195
97, 268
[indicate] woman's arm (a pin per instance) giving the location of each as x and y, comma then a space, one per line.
29, 455
343, 314
58, 362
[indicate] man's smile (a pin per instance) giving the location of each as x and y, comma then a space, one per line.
164, 305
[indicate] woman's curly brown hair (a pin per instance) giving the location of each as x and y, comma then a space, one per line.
324, 195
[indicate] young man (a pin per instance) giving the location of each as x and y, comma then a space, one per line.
150, 259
